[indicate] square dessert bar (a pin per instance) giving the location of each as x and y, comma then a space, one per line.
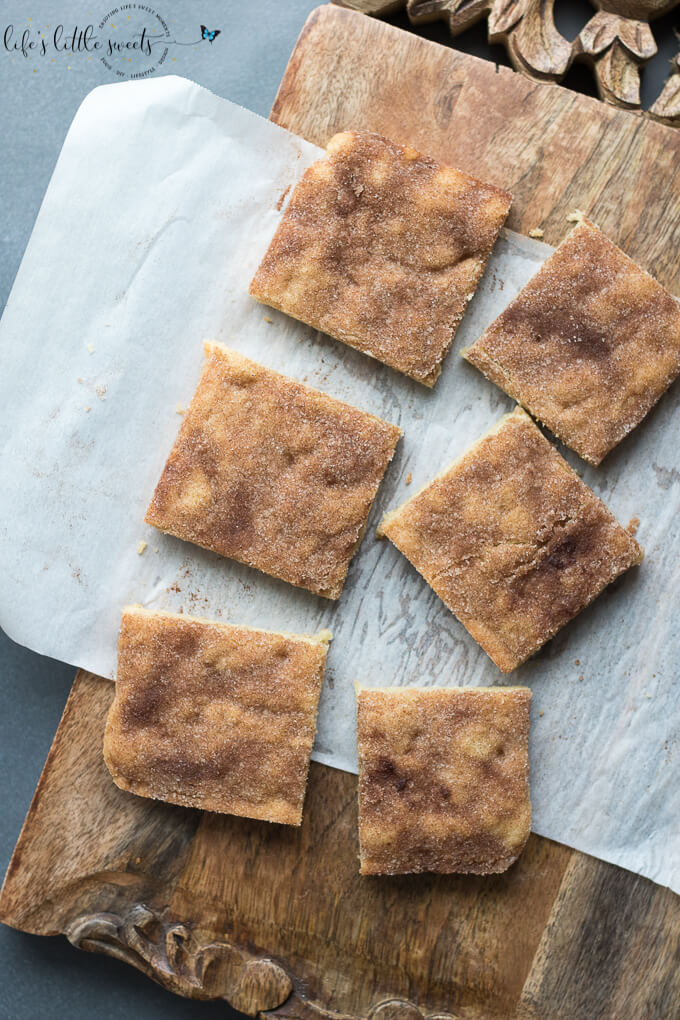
382, 248
272, 473
512, 540
443, 778
588, 346
214, 716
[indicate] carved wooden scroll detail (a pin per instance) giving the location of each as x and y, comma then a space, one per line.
616, 42
617, 46
184, 959
202, 965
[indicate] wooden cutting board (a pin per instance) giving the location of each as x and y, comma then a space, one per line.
278, 920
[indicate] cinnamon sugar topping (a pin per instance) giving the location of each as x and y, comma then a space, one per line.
272, 473
214, 716
443, 779
588, 346
382, 248
512, 540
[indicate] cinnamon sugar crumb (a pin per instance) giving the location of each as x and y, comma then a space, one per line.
633, 525
282, 198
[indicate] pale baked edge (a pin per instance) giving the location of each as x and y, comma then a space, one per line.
236, 807
324, 637
437, 688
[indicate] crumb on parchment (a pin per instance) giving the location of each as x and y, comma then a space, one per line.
537, 233
409, 478
267, 319
90, 348
101, 391
88, 408
180, 410
141, 547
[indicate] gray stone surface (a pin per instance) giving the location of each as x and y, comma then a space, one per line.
42, 977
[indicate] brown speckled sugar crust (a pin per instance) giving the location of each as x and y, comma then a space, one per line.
272, 473
443, 779
382, 248
588, 346
512, 540
214, 716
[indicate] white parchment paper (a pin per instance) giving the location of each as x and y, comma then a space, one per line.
162, 203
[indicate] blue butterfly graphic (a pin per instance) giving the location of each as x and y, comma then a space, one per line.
207, 34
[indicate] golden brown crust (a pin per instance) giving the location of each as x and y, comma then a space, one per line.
272, 473
588, 346
512, 540
443, 779
382, 248
214, 716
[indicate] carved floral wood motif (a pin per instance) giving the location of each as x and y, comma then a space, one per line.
616, 42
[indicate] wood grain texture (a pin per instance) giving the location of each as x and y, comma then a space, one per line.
616, 42
277, 920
